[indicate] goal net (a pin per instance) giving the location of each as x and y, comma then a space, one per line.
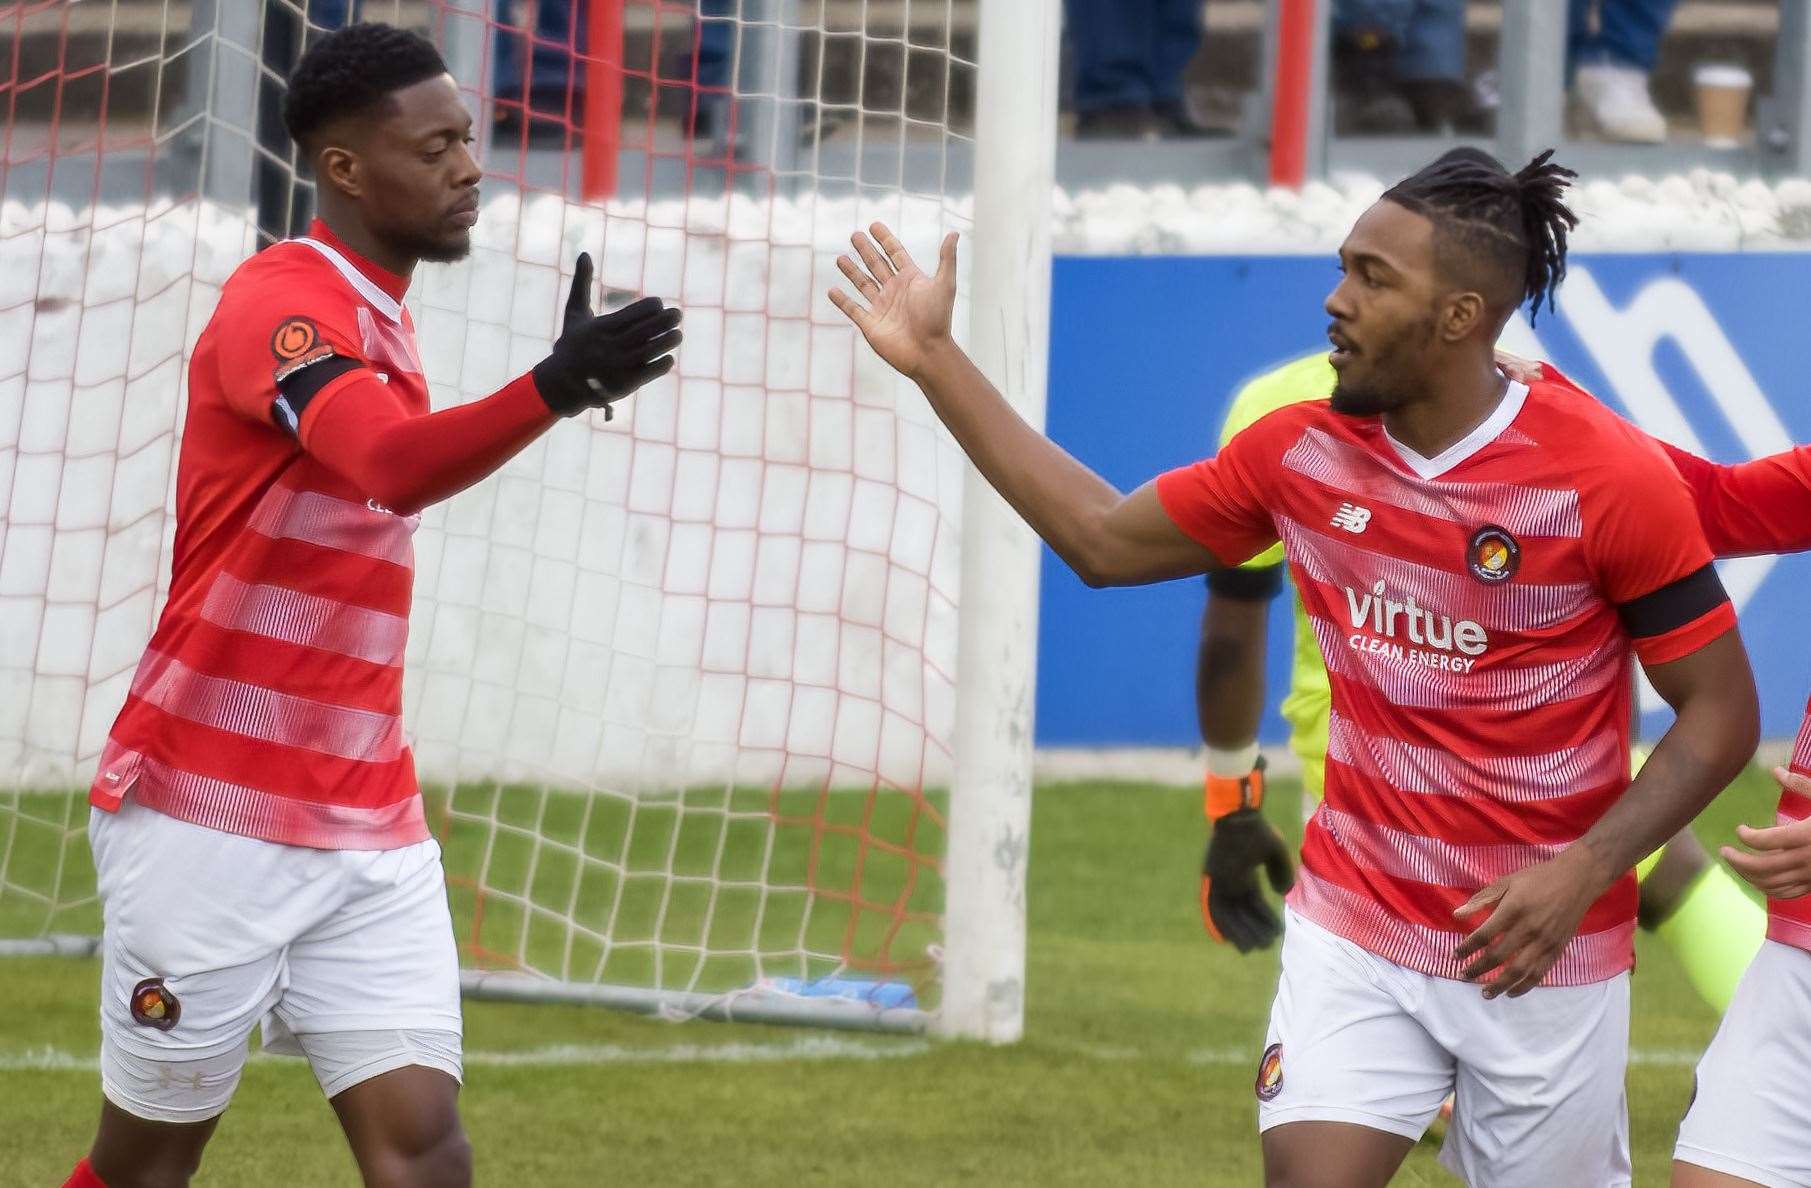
682, 686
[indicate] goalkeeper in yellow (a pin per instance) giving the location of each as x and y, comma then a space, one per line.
1692, 902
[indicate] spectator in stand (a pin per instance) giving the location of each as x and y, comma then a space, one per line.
1129, 58
1399, 67
1613, 48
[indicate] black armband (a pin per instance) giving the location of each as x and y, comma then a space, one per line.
1247, 585
1674, 605
297, 386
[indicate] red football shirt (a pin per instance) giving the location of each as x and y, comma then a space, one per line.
269, 700
1763, 506
1478, 613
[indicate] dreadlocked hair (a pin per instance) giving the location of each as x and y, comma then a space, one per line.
351, 70
1515, 224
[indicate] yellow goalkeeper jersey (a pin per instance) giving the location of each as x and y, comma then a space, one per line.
1310, 699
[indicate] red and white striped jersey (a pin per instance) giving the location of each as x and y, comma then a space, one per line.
1789, 920
269, 700
1763, 506
1478, 613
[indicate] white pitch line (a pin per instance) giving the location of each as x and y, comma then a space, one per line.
1646, 1057
49, 1059
813, 1048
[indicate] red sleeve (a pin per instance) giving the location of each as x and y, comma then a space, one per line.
1763, 506
1218, 502
359, 428
272, 326
290, 356
1651, 559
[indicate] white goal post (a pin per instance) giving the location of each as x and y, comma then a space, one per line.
722, 708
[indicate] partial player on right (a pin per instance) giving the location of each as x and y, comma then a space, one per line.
1750, 1117
1688, 900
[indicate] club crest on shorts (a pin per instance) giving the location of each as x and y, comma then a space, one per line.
154, 1006
1493, 555
1270, 1073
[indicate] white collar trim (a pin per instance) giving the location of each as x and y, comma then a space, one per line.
385, 304
1488, 430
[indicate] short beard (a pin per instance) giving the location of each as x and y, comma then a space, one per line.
1362, 402
434, 251
1375, 399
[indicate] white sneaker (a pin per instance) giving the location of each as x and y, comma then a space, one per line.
1616, 100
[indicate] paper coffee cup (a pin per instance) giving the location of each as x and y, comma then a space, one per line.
1722, 92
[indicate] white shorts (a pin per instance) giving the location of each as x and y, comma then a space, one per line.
345, 956
1538, 1080
1750, 1115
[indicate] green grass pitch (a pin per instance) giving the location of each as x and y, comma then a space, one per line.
1136, 1068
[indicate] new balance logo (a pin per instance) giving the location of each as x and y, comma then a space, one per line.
1352, 517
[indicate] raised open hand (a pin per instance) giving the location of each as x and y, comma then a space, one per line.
599, 359
902, 312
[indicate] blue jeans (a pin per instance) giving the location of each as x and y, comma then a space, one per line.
556, 22
1131, 53
1431, 33
1628, 32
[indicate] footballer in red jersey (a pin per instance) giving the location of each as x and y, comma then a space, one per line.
1483, 562
1750, 1119
257, 828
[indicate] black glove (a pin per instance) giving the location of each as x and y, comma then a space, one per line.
1232, 906
601, 359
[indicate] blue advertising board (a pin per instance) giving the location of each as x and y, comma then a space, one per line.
1706, 350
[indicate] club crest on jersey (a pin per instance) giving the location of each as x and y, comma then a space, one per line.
154, 1006
1270, 1074
1492, 555
295, 337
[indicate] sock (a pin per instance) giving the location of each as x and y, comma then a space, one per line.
1715, 932
1232, 764
83, 1177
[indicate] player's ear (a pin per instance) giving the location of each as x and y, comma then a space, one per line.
339, 168
1462, 314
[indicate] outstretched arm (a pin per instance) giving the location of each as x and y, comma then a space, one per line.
1107, 538
347, 417
405, 461
1763, 506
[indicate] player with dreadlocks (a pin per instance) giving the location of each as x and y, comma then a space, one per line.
1692, 903
259, 840
1482, 560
